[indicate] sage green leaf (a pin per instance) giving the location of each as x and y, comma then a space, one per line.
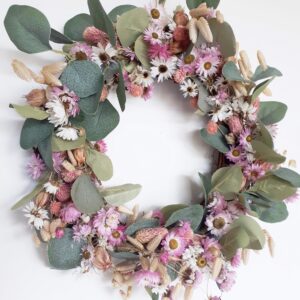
266, 154
99, 163
101, 19
173, 269
260, 73
65, 253
231, 72
131, 25
59, 145
34, 132
141, 224
59, 38
75, 27
124, 255
202, 97
119, 11
86, 196
89, 105
119, 195
206, 185
28, 29
217, 141
152, 295
45, 149
224, 37
167, 211
99, 125
195, 3
141, 52
260, 88
121, 89
30, 112
272, 112
83, 77
264, 136
273, 188
227, 180
193, 214
288, 175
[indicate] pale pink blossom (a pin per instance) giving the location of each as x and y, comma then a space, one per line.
212, 128
70, 214
147, 278
36, 167
235, 125
135, 90
94, 36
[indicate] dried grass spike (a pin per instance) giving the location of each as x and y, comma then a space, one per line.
220, 17
21, 70
245, 256
135, 243
153, 244
262, 60
217, 267
193, 30
204, 28
55, 68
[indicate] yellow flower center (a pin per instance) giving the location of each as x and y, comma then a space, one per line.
219, 223
86, 254
116, 234
249, 138
236, 153
207, 65
155, 14
201, 262
155, 35
173, 244
189, 59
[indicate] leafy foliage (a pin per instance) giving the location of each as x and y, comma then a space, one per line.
272, 112
119, 11
75, 27
141, 224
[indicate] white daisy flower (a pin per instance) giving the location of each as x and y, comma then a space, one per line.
51, 188
142, 77
189, 88
67, 133
218, 224
56, 110
157, 13
207, 65
103, 55
221, 113
153, 34
36, 215
193, 257
248, 110
87, 258
163, 69
160, 290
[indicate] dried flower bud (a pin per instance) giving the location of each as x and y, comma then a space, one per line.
36, 97
180, 18
193, 30
55, 68
104, 93
220, 17
80, 156
63, 193
42, 199
204, 29
55, 208
235, 125
201, 11
146, 235
51, 79
212, 128
102, 260
21, 70
94, 35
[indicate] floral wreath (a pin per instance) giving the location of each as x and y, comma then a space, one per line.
85, 223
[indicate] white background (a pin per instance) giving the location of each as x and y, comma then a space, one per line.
158, 146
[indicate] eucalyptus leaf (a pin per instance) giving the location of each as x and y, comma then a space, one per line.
121, 89
119, 11
202, 97
260, 73
167, 211
173, 269
217, 141
75, 27
195, 3
206, 185
141, 51
59, 38
28, 29
264, 136
141, 224
34, 132
59, 145
260, 88
101, 19
82, 77
65, 253
86, 196
266, 154
119, 195
272, 112
124, 255
131, 25
89, 105
30, 112
288, 175
151, 294
231, 72
193, 214
99, 163
45, 149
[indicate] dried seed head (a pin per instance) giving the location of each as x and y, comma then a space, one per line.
38, 78
21, 70
127, 248
243, 69
220, 17
146, 235
267, 92
135, 243
246, 62
55, 224
217, 267
126, 267
241, 88
36, 97
117, 279
42, 199
245, 256
131, 219
201, 11
55, 68
162, 270
154, 243
193, 30
72, 158
154, 264
204, 29
102, 260
262, 60
188, 293
80, 156
145, 263
51, 79
68, 166
125, 210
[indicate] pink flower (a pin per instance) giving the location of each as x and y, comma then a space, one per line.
174, 244
117, 236
147, 278
161, 51
235, 125
70, 214
36, 167
236, 155
106, 221
226, 280
81, 51
59, 233
164, 258
210, 246
127, 52
179, 76
254, 172
64, 193
293, 198
153, 35
246, 138
70, 177
236, 260
94, 35
55, 208
101, 146
148, 92
81, 231
159, 215
185, 231
58, 158
135, 90
218, 204
212, 128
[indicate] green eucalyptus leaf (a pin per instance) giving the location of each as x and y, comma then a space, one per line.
224, 37
217, 141
124, 255
266, 153
75, 27
273, 188
100, 124
131, 25
206, 185
34, 132
288, 175
119, 195
60, 145
167, 211
272, 112
141, 51
121, 89
65, 253
59, 38
231, 72
195, 3
28, 29
264, 136
30, 112
82, 77
173, 269
260, 73
260, 88
151, 294
101, 19
193, 214
99, 163
85, 195
227, 180
141, 224
202, 97
45, 149
119, 11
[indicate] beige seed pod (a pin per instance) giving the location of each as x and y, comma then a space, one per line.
68, 166
262, 60
220, 17
217, 267
135, 243
125, 210
45, 235
293, 163
193, 30
188, 293
243, 69
21, 70
125, 267
38, 78
201, 11
245, 59
241, 88
154, 243
267, 92
51, 79
72, 158
117, 279
162, 270
55, 68
36, 240
132, 218
146, 235
42, 199
126, 248
236, 91
154, 264
148, 215
145, 263
57, 223
204, 29
245, 256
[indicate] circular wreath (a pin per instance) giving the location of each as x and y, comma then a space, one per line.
85, 223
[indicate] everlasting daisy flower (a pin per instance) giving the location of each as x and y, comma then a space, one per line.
101, 146
163, 69
190, 277
81, 231
247, 110
246, 138
153, 34
35, 167
189, 88
81, 51
147, 278
142, 77
51, 188
236, 154
157, 13
103, 55
148, 92
87, 258
174, 244
193, 257
220, 113
207, 65
161, 51
226, 279
188, 62
58, 158
67, 133
218, 203
35, 215
70, 214
254, 172
218, 224
211, 249
117, 236
106, 221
